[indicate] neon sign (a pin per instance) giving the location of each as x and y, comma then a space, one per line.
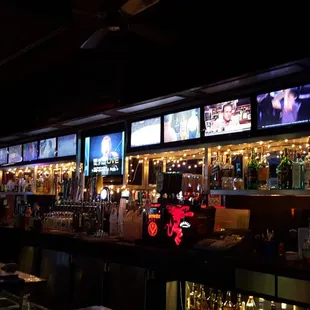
178, 213
154, 216
185, 224
152, 229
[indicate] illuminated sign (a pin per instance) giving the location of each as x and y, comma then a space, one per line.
152, 229
154, 216
185, 224
178, 213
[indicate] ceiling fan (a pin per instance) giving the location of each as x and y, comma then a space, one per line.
120, 21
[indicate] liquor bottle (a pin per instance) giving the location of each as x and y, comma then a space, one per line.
228, 305
263, 172
227, 174
238, 305
250, 305
215, 173
238, 181
261, 304
307, 169
298, 173
292, 242
211, 299
284, 171
192, 297
252, 171
203, 300
273, 305
219, 302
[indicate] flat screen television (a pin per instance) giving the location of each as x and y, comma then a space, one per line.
146, 132
104, 155
15, 154
30, 151
66, 145
182, 126
227, 117
47, 148
3, 156
289, 106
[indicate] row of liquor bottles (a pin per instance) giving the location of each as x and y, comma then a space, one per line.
288, 170
198, 299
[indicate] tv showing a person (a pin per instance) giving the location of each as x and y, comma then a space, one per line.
30, 151
228, 117
284, 107
47, 148
182, 126
106, 154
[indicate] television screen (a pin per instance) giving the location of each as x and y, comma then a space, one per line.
67, 145
3, 156
47, 148
30, 151
182, 126
146, 132
104, 154
15, 154
227, 117
284, 107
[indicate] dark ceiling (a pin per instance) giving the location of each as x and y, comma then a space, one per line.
175, 45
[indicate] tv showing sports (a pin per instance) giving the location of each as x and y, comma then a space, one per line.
146, 132
284, 107
3, 156
227, 117
15, 154
104, 155
47, 148
182, 126
30, 151
66, 145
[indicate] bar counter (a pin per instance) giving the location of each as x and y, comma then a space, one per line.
154, 256
239, 269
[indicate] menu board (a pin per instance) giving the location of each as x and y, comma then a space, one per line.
227, 117
289, 106
30, 151
146, 132
3, 156
47, 148
104, 155
15, 154
67, 145
182, 126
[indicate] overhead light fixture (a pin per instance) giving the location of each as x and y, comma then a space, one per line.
134, 7
5, 139
85, 120
151, 104
253, 79
40, 131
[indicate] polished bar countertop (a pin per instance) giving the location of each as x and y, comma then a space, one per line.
168, 258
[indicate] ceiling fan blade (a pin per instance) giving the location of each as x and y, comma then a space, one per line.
134, 7
95, 39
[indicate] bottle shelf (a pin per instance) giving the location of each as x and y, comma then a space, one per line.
2, 194
272, 192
